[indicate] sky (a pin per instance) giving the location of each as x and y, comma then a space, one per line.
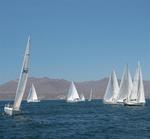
74, 39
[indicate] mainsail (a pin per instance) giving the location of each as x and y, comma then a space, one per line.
134, 92
72, 94
125, 85
141, 94
112, 90
136, 97
23, 78
32, 96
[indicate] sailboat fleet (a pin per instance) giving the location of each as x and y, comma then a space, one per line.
129, 92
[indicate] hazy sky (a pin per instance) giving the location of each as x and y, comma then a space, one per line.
74, 39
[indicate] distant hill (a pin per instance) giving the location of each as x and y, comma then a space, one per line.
58, 88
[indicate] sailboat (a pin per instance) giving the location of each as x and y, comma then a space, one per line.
12, 109
82, 98
125, 86
112, 90
73, 94
91, 94
32, 96
136, 96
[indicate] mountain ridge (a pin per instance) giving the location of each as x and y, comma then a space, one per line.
49, 88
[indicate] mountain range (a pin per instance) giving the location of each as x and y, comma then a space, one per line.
48, 88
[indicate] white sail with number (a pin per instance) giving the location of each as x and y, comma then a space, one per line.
21, 84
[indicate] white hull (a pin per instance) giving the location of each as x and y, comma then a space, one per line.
133, 103
82, 100
73, 101
32, 101
110, 102
8, 110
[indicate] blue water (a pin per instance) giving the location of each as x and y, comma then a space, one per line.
84, 120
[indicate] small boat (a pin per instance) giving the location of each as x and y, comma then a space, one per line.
91, 95
136, 97
32, 96
82, 98
112, 90
15, 108
73, 95
125, 86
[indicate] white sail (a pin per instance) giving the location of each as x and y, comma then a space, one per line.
125, 85
112, 90
134, 91
72, 94
115, 88
82, 98
23, 78
10, 109
91, 94
137, 96
32, 96
141, 94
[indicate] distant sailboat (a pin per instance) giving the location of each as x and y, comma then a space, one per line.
112, 90
82, 98
125, 86
136, 96
91, 95
11, 109
32, 96
73, 94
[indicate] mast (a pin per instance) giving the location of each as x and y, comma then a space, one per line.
23, 78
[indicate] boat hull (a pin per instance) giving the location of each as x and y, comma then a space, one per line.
133, 104
111, 102
82, 100
8, 110
74, 101
30, 101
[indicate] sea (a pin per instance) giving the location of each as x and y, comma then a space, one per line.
57, 119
